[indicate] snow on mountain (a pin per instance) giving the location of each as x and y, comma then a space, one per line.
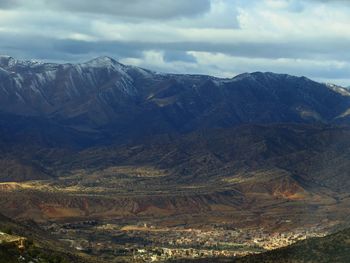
338, 89
103, 91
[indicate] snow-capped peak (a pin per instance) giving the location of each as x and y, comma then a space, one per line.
338, 89
7, 61
102, 61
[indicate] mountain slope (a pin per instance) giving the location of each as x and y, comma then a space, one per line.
130, 102
254, 139
293, 171
40, 246
308, 153
101, 140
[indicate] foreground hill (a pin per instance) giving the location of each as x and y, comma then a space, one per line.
40, 246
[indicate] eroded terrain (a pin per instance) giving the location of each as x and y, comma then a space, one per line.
135, 213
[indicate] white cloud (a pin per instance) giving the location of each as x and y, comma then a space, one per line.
220, 37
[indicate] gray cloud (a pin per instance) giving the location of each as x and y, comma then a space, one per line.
321, 49
131, 30
137, 8
52, 48
151, 9
171, 56
6, 4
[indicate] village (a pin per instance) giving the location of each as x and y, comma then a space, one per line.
144, 242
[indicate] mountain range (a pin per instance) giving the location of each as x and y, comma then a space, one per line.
72, 107
105, 140
122, 102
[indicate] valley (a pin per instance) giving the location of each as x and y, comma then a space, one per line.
126, 213
120, 164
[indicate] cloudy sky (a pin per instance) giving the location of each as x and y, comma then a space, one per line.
216, 37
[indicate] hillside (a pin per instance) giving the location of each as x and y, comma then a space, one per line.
40, 246
290, 170
126, 102
49, 111
164, 160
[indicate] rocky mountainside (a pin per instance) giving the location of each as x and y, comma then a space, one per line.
153, 142
126, 102
40, 246
184, 123
305, 166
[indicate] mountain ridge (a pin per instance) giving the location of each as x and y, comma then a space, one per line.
102, 141
107, 96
